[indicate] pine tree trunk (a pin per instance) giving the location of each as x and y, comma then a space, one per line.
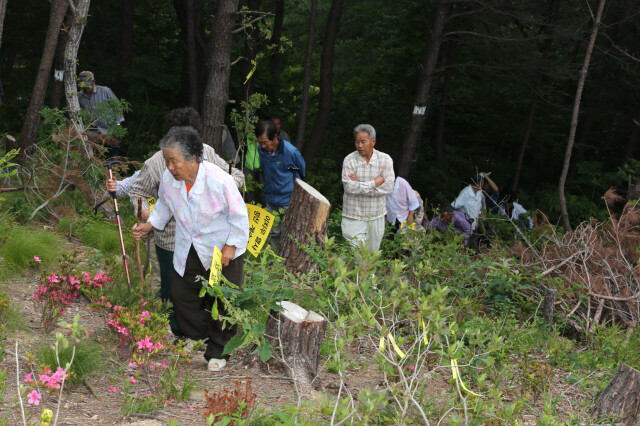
57, 92
306, 82
296, 336
217, 91
306, 222
32, 119
80, 11
326, 82
620, 401
3, 10
422, 101
574, 118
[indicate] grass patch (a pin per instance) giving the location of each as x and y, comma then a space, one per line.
101, 235
85, 360
22, 244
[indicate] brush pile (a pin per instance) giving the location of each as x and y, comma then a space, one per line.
596, 268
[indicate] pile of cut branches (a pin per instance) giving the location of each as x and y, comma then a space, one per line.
597, 266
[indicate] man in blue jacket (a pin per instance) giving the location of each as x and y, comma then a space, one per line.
281, 163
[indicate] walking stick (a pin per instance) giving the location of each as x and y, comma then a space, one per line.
138, 248
108, 165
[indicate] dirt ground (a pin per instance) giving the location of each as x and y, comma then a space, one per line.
92, 403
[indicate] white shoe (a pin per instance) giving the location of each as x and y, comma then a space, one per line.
216, 364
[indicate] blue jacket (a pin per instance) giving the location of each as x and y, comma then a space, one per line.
280, 172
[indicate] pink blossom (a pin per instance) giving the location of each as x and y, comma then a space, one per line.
191, 408
132, 379
74, 280
28, 378
34, 397
53, 278
164, 364
36, 258
133, 364
279, 399
112, 389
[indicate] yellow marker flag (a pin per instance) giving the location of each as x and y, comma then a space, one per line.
381, 346
216, 266
456, 376
411, 226
152, 202
260, 223
255, 65
393, 343
424, 331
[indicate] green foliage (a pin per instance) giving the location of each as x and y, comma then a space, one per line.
85, 361
170, 386
7, 168
101, 235
23, 243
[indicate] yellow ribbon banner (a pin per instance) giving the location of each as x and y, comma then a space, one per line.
216, 267
152, 202
260, 223
457, 378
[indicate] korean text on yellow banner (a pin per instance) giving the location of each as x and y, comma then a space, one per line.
260, 223
216, 267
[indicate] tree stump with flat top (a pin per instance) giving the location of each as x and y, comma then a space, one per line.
296, 336
306, 222
620, 401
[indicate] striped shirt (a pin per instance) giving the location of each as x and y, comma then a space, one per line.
90, 102
148, 182
363, 200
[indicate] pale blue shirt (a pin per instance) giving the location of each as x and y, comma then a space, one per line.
212, 214
470, 203
401, 201
518, 209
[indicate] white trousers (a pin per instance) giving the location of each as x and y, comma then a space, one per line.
367, 232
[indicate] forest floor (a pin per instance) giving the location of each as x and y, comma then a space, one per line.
93, 402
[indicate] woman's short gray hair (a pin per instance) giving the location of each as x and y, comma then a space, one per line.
187, 140
367, 128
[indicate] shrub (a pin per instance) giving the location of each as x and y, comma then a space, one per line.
84, 363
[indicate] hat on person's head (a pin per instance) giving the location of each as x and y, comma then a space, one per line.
85, 79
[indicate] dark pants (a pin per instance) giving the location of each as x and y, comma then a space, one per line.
165, 259
193, 313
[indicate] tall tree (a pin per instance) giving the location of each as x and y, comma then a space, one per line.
32, 118
80, 11
3, 10
422, 101
250, 46
189, 12
326, 82
58, 62
125, 46
276, 59
306, 82
574, 117
217, 91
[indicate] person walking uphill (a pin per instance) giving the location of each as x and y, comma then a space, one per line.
209, 212
367, 176
281, 163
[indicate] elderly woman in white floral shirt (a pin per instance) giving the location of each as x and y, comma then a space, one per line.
209, 212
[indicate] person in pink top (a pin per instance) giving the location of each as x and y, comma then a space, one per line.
209, 212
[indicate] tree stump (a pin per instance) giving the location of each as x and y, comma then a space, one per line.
549, 305
621, 399
296, 335
306, 221
10, 143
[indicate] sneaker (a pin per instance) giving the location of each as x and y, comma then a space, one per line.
216, 364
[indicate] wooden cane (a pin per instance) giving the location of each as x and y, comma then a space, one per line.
138, 248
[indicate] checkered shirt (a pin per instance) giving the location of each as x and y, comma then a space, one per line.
362, 199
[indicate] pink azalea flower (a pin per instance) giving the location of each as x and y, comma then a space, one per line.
28, 378
191, 408
74, 280
279, 399
133, 364
112, 389
132, 380
36, 258
164, 364
34, 398
53, 278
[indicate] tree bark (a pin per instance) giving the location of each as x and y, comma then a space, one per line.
188, 13
306, 222
574, 118
442, 108
58, 63
125, 46
422, 102
80, 11
296, 336
306, 82
3, 10
620, 401
250, 46
549, 305
217, 91
276, 59
31, 124
326, 82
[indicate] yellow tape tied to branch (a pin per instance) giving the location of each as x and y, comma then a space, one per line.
456, 376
